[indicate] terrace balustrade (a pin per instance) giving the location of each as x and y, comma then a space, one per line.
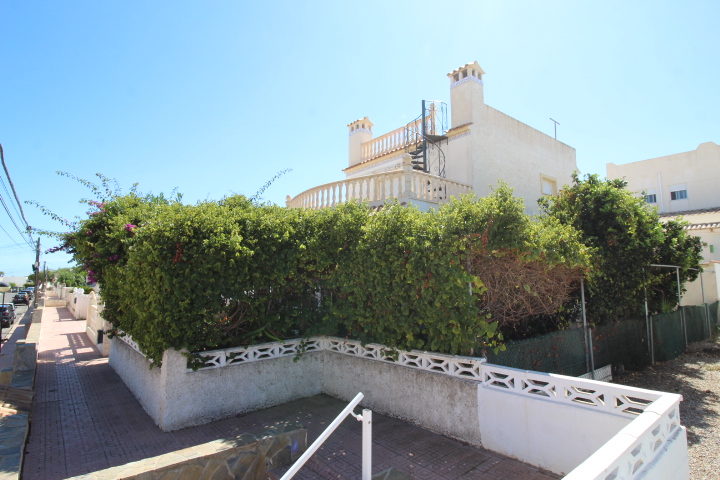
406, 185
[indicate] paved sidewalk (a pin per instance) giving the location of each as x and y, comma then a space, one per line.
84, 419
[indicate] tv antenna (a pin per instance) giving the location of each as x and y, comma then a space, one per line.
556, 124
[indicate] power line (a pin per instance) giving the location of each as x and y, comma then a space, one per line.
7, 174
13, 247
8, 194
22, 234
6, 233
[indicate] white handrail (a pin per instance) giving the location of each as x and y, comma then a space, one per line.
367, 428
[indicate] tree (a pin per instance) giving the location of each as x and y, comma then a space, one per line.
627, 237
678, 248
71, 277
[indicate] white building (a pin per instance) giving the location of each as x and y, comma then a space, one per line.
684, 185
427, 161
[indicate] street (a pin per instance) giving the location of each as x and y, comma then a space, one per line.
20, 312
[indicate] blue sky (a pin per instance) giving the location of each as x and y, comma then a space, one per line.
216, 97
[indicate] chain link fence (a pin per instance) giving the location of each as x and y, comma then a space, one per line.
622, 344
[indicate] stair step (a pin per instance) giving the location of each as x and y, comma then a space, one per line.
436, 138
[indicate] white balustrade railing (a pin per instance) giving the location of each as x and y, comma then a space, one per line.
131, 343
456, 366
570, 390
403, 137
398, 139
254, 353
405, 185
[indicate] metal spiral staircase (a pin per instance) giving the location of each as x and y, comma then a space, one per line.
424, 145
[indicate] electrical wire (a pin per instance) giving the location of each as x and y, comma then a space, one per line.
6, 232
8, 194
22, 234
12, 187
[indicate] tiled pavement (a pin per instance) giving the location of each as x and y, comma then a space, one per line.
84, 419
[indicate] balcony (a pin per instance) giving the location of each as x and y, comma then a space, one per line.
407, 186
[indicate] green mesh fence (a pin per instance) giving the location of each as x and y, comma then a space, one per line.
620, 343
669, 341
558, 352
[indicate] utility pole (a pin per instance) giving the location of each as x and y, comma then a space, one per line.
36, 269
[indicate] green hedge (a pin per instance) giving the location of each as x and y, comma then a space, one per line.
229, 273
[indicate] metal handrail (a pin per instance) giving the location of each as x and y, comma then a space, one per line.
366, 418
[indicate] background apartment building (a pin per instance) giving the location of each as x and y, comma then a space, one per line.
684, 185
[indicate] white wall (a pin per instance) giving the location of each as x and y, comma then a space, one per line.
134, 369
440, 403
95, 322
507, 149
557, 437
553, 432
78, 303
177, 398
18, 281
710, 284
698, 170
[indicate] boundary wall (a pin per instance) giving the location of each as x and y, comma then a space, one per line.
581, 428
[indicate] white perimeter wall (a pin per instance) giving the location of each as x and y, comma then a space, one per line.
551, 435
443, 404
176, 398
145, 383
674, 461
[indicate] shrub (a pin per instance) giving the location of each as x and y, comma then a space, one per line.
234, 272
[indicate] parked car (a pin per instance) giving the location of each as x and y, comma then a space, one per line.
21, 297
29, 293
7, 314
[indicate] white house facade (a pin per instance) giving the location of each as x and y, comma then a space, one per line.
431, 159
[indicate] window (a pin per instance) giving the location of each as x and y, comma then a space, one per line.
548, 185
678, 195
678, 192
651, 198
